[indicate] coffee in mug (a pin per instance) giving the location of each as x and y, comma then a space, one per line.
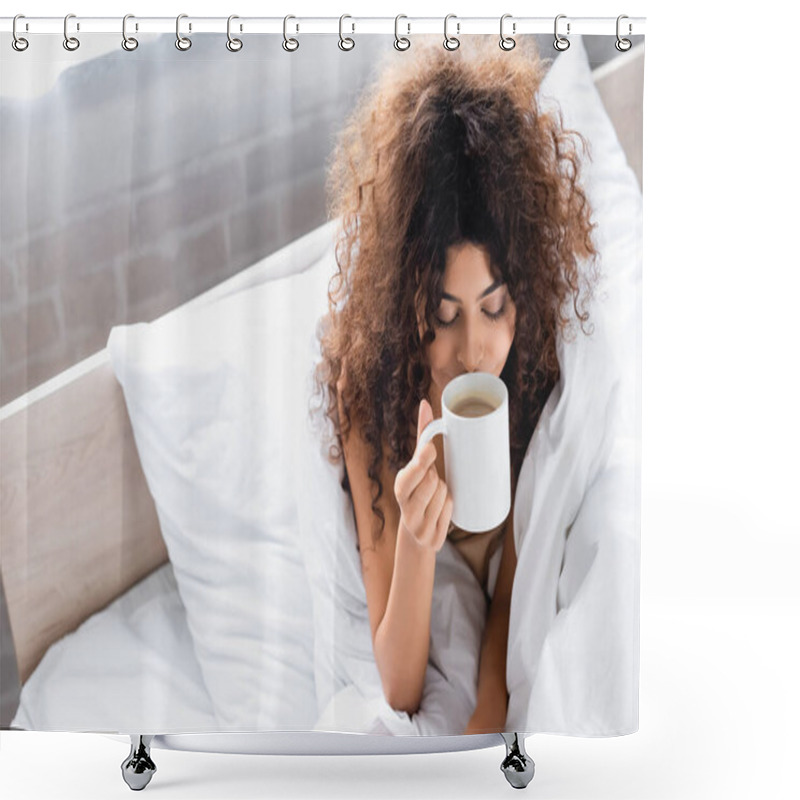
473, 407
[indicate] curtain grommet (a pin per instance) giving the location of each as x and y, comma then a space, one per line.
289, 44
623, 45
346, 43
71, 43
183, 43
451, 42
507, 43
233, 44
129, 43
401, 43
19, 43
561, 43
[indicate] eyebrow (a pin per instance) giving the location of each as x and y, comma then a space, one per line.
496, 285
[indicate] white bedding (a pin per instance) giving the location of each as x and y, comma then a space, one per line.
148, 662
129, 668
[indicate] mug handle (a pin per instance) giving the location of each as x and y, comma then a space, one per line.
434, 429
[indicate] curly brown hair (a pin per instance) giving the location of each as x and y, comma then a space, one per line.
445, 148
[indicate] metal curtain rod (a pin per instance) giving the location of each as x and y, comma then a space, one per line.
633, 26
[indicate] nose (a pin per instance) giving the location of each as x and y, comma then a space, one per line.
470, 354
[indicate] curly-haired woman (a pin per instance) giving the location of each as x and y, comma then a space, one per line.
465, 239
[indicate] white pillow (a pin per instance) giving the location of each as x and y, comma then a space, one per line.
214, 403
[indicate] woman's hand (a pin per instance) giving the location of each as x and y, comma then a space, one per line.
426, 504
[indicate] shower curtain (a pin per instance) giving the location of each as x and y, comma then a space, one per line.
214, 253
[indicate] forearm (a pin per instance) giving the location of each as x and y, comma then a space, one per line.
402, 639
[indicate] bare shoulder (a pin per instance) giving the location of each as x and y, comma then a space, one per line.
377, 556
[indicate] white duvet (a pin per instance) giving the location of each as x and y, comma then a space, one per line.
573, 636
129, 668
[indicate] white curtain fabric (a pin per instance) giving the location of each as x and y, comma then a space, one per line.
133, 183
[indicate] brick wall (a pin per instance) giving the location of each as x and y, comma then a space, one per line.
142, 179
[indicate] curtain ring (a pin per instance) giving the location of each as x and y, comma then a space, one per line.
623, 45
451, 42
18, 43
506, 42
561, 43
233, 44
345, 42
70, 42
289, 45
183, 43
128, 42
401, 42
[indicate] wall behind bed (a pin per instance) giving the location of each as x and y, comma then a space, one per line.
103, 239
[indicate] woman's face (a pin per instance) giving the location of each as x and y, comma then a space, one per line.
475, 323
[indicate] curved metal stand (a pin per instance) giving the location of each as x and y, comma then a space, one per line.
138, 768
518, 766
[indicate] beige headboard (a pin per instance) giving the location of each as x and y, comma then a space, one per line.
77, 523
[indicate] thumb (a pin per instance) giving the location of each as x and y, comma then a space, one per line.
425, 417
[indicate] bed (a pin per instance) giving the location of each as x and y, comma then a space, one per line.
132, 616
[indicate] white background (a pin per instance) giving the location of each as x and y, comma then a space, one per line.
720, 613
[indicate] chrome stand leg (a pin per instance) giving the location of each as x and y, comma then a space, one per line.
518, 766
138, 768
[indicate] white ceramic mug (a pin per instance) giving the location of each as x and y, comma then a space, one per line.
477, 459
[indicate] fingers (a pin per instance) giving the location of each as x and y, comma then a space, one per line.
443, 521
426, 490
436, 522
412, 474
436, 504
426, 505
414, 507
425, 417
427, 514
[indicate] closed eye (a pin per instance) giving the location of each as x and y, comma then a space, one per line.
492, 315
496, 314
